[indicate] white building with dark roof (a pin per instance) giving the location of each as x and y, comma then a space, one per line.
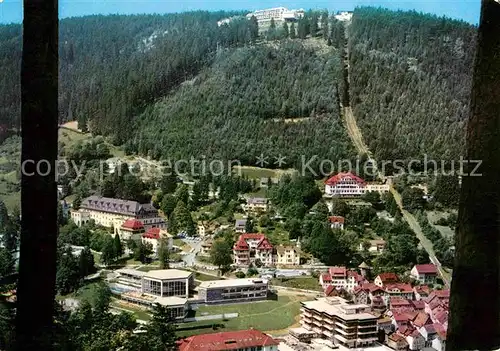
108, 211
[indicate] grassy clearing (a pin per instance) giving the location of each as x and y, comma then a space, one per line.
72, 136
183, 245
257, 172
435, 216
306, 283
264, 315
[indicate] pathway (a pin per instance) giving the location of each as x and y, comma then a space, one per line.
357, 139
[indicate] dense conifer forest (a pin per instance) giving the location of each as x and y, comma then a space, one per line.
410, 82
179, 85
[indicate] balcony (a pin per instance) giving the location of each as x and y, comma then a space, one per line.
319, 318
367, 330
344, 333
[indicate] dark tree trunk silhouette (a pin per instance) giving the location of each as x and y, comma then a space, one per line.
39, 113
475, 290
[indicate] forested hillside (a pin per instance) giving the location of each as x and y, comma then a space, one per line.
410, 82
237, 108
113, 66
178, 85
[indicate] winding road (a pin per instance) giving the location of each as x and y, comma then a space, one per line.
357, 139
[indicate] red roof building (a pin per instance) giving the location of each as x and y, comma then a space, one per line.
341, 278
230, 341
152, 233
345, 185
402, 290
424, 273
386, 278
132, 224
336, 222
129, 228
251, 247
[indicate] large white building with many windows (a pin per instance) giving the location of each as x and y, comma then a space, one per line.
332, 318
279, 14
350, 185
108, 212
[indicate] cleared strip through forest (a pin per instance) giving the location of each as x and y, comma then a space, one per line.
357, 139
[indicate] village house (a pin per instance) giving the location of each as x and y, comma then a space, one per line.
341, 278
287, 255
255, 205
385, 278
415, 341
397, 342
251, 247
206, 247
130, 229
336, 222
402, 290
361, 296
421, 292
240, 226
154, 236
424, 273
439, 343
107, 211
201, 230
374, 246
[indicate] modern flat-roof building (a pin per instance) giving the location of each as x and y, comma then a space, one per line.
216, 291
131, 277
176, 306
167, 282
344, 324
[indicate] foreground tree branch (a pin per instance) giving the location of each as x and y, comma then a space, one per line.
39, 113
475, 289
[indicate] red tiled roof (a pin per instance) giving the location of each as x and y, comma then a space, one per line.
388, 278
133, 224
442, 317
419, 305
264, 244
336, 219
241, 245
440, 330
400, 317
337, 272
402, 287
227, 341
344, 176
442, 294
331, 291
325, 277
422, 289
152, 233
426, 268
397, 301
396, 337
371, 287
421, 319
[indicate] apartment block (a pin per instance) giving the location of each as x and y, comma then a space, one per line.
333, 318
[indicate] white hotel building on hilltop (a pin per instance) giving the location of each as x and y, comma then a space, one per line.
350, 185
280, 14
